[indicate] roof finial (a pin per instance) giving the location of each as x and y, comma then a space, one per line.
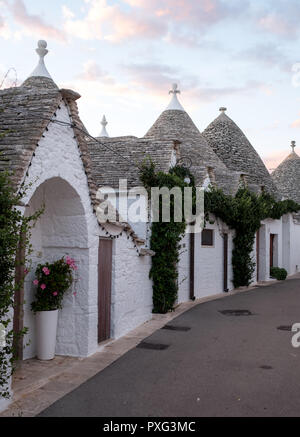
104, 124
41, 69
174, 89
174, 104
293, 146
223, 109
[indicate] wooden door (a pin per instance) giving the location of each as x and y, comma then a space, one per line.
272, 238
225, 237
104, 289
257, 254
192, 266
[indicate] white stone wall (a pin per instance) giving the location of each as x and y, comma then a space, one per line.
270, 227
132, 288
184, 270
4, 404
294, 246
69, 226
286, 243
209, 270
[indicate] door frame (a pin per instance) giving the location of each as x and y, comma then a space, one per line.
257, 254
272, 240
225, 263
104, 288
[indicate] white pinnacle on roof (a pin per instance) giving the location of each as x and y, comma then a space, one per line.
41, 70
174, 104
293, 146
104, 123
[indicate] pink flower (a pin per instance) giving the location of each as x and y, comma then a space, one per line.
69, 260
71, 263
46, 271
75, 294
55, 293
26, 271
43, 286
36, 282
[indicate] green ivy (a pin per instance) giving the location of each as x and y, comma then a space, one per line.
165, 238
13, 224
244, 213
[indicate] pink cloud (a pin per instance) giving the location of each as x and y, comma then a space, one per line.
296, 123
275, 24
111, 23
34, 24
281, 18
185, 11
147, 19
93, 72
158, 78
4, 28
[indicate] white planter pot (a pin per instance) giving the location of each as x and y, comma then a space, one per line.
46, 326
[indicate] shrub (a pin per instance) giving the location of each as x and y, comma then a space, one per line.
14, 237
52, 282
278, 273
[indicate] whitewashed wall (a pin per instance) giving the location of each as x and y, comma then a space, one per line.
184, 270
270, 227
209, 261
69, 226
294, 246
131, 288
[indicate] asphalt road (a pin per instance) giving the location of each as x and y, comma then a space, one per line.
225, 365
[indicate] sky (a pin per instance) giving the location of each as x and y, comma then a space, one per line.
122, 56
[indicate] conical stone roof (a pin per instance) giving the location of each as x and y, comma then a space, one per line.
234, 149
177, 125
287, 177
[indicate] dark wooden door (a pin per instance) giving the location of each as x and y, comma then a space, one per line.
225, 237
192, 266
104, 289
272, 238
257, 254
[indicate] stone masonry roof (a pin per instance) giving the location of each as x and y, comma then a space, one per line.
25, 112
287, 177
177, 125
120, 158
234, 149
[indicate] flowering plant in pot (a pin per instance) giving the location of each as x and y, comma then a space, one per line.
52, 282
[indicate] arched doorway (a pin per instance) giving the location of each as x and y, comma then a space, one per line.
61, 230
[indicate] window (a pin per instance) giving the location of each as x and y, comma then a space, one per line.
207, 237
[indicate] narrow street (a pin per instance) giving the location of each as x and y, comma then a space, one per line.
216, 364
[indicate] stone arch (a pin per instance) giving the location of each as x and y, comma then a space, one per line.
61, 230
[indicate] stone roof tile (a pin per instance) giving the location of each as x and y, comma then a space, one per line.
232, 146
287, 177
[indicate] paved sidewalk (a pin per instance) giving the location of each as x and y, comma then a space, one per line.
230, 357
38, 384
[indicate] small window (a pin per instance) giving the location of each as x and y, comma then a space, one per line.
207, 237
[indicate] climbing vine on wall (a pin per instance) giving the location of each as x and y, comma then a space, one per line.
165, 237
244, 213
12, 225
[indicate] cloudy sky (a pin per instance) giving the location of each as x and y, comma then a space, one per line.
123, 55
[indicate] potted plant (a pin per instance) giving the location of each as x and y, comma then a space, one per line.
52, 282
